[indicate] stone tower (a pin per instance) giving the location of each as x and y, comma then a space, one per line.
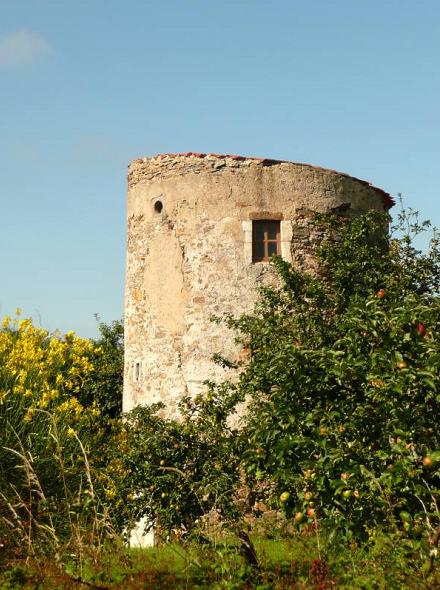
201, 228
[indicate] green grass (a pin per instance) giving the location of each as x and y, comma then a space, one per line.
295, 562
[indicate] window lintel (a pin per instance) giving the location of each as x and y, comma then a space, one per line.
265, 216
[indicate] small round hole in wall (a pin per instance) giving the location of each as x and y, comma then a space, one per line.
158, 206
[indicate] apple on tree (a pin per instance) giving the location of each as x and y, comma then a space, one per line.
284, 497
420, 329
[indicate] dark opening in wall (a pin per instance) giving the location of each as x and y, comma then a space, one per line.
158, 206
137, 371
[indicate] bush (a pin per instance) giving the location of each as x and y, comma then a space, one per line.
103, 386
342, 400
178, 471
343, 385
47, 489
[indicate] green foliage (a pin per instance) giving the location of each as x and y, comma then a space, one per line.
343, 385
297, 562
104, 385
340, 433
341, 390
51, 484
178, 470
50, 493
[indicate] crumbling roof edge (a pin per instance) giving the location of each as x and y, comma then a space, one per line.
387, 198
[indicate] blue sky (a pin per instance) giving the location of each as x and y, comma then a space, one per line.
87, 86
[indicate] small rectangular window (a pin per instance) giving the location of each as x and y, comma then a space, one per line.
266, 240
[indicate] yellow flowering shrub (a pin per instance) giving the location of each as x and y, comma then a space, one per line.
47, 369
54, 421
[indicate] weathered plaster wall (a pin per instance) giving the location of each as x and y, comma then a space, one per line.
192, 259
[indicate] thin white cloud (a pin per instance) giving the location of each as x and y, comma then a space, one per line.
22, 48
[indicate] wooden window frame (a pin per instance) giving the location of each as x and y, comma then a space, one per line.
265, 225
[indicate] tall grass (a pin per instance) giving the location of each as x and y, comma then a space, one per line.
48, 503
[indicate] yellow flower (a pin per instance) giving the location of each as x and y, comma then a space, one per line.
29, 415
45, 368
96, 411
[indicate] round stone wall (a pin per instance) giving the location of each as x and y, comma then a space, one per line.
192, 222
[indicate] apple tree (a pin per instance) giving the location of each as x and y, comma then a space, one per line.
343, 383
342, 397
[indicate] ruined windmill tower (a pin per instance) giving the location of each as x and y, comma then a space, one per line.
201, 229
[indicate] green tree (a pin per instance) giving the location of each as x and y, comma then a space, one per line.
176, 471
343, 383
341, 391
104, 385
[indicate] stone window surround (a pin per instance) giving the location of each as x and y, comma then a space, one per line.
285, 230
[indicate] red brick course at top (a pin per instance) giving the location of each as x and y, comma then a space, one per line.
387, 198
